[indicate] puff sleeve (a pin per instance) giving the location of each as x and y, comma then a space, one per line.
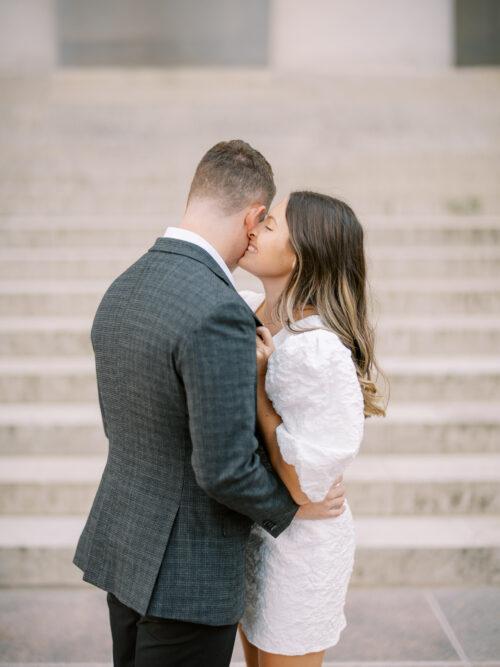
312, 382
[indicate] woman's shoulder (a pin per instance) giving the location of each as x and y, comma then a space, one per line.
318, 358
252, 299
314, 345
315, 368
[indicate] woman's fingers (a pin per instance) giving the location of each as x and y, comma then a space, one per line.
261, 351
337, 507
265, 334
337, 491
337, 511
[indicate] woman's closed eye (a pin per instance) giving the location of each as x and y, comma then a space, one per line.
270, 223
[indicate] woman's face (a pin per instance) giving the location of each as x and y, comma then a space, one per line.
269, 253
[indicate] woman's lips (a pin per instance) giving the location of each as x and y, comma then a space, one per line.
251, 248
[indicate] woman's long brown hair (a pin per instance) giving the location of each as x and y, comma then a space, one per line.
330, 276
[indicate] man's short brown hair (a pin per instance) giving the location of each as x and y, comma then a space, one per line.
234, 174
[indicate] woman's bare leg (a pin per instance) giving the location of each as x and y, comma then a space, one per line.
251, 652
276, 660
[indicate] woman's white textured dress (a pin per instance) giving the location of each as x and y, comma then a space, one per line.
296, 583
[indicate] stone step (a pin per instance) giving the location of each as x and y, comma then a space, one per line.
437, 180
388, 262
383, 262
435, 428
388, 229
47, 380
437, 147
75, 429
79, 298
66, 379
140, 118
421, 551
442, 378
376, 485
386, 136
157, 90
472, 335
184, 147
439, 335
58, 336
450, 484
139, 232
52, 429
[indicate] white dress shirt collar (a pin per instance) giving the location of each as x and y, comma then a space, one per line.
192, 237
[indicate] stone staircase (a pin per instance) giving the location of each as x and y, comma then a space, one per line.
95, 166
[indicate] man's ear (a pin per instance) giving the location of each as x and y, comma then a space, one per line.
254, 216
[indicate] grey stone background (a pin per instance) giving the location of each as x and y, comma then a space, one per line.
97, 147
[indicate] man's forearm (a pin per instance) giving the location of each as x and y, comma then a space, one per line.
217, 364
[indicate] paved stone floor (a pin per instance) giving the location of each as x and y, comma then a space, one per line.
391, 627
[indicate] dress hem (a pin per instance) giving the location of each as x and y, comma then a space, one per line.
300, 651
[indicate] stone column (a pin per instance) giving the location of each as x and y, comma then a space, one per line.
342, 36
28, 39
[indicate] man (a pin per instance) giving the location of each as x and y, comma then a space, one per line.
185, 476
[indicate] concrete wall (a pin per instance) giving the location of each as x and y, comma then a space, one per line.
312, 35
346, 35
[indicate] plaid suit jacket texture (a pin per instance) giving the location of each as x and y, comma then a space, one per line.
186, 475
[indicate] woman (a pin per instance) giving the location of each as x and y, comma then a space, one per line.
315, 363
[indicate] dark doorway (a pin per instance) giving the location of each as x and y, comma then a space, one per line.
477, 32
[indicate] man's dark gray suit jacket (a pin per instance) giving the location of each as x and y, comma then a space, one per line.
185, 476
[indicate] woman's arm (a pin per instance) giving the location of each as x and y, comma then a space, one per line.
309, 465
269, 421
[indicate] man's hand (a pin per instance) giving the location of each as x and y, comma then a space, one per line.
330, 507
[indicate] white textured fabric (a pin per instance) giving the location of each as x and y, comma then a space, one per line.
296, 583
192, 237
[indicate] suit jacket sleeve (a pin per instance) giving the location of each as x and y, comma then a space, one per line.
104, 424
99, 395
217, 362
